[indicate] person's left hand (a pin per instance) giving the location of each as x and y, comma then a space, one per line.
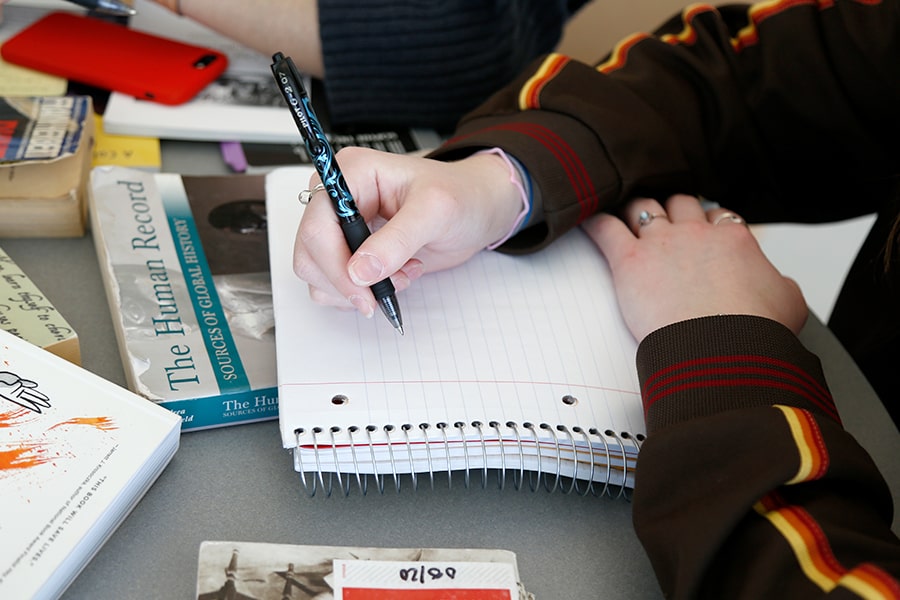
684, 262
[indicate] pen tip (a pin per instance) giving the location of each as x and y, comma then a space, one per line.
391, 310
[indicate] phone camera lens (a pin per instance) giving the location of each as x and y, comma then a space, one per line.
204, 61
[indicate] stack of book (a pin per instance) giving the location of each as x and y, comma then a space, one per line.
45, 157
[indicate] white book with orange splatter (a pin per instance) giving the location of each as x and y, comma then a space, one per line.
77, 452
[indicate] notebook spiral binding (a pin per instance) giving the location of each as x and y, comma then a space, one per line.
583, 461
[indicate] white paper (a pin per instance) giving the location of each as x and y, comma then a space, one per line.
499, 339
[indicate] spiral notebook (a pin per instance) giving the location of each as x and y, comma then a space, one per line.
518, 367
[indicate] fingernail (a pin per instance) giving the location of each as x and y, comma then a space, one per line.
414, 269
366, 269
362, 305
400, 281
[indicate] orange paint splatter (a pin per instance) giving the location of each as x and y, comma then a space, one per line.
14, 417
24, 457
101, 423
18, 417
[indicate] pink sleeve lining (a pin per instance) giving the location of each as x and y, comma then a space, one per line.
516, 180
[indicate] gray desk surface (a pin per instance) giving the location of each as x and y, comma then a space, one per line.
237, 483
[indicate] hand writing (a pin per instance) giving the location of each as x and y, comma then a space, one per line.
426, 216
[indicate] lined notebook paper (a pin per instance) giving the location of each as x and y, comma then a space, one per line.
520, 364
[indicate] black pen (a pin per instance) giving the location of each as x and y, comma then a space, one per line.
322, 155
110, 7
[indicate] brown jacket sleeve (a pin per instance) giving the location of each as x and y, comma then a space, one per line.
771, 108
747, 485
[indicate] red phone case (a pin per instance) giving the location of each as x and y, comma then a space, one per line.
114, 57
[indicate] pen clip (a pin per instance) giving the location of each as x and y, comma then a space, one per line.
319, 149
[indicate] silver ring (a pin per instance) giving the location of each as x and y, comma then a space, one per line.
645, 217
306, 195
730, 217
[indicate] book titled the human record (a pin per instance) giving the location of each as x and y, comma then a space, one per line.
184, 261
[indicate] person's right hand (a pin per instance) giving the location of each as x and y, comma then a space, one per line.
434, 215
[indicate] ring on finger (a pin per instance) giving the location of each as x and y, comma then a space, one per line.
646, 217
729, 217
306, 195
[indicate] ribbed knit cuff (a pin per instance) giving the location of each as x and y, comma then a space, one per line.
708, 365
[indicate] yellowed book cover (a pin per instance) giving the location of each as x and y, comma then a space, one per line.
28, 314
